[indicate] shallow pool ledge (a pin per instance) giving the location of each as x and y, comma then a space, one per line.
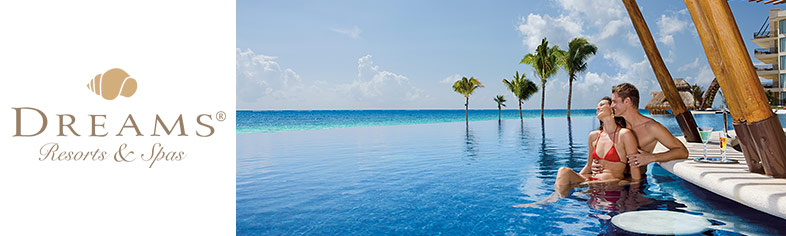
732, 181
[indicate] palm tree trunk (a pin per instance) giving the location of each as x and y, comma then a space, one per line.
466, 110
542, 98
499, 107
570, 92
521, 115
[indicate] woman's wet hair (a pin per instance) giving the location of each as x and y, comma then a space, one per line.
619, 120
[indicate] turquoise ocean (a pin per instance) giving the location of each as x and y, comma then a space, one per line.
293, 120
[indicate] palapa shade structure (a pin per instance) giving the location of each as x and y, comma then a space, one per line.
660, 105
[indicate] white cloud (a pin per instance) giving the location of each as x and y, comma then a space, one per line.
605, 17
701, 75
352, 33
611, 29
597, 12
602, 22
671, 56
632, 39
619, 57
690, 66
667, 39
668, 26
450, 79
262, 83
557, 29
379, 87
671, 24
260, 76
705, 76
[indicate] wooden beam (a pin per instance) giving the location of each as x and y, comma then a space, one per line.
737, 63
684, 117
769, 1
764, 131
710, 43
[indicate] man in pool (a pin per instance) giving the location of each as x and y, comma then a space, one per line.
625, 103
611, 144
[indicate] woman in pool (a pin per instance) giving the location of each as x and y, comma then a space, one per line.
610, 144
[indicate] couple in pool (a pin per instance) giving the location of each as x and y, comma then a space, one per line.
621, 148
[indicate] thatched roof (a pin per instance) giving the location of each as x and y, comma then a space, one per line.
660, 105
682, 85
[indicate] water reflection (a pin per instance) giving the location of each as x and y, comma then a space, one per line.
612, 198
546, 163
604, 201
470, 150
499, 131
572, 158
524, 137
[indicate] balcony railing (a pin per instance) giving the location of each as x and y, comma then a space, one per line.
765, 34
765, 51
765, 67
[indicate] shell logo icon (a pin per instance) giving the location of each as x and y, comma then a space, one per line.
113, 83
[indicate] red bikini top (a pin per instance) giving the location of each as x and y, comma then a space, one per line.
611, 155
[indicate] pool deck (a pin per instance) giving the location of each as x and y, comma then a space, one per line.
732, 181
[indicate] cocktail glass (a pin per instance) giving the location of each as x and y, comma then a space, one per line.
705, 133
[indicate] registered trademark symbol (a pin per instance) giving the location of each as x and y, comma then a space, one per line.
221, 116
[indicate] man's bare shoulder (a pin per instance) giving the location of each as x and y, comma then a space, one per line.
653, 125
658, 131
647, 124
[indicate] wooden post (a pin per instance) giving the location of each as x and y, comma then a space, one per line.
714, 58
736, 61
681, 113
757, 125
711, 48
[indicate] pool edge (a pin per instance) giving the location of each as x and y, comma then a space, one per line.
732, 181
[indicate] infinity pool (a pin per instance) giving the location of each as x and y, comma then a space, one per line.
450, 179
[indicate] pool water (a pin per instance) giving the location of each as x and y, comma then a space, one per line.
451, 179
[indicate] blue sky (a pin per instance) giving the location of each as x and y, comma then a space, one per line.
310, 55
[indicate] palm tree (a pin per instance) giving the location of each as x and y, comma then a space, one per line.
522, 88
545, 62
466, 87
697, 93
579, 50
770, 97
500, 103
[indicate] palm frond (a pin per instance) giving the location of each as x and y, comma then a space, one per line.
521, 87
466, 86
579, 51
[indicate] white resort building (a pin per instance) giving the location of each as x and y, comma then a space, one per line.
771, 39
